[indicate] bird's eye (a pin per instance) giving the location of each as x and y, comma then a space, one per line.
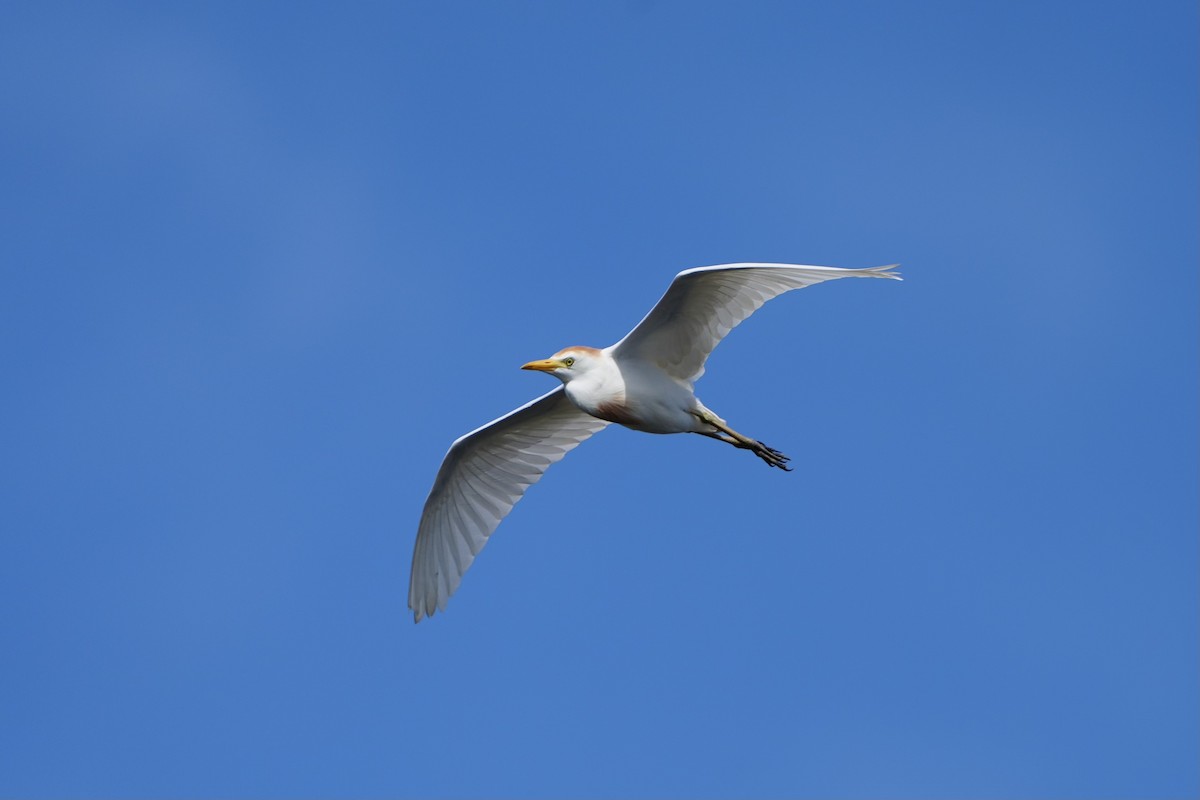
568, 361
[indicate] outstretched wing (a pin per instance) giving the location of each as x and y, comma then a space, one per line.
482, 477
702, 305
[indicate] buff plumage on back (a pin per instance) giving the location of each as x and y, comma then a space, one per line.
702, 305
483, 476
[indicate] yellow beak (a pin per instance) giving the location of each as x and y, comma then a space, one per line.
545, 365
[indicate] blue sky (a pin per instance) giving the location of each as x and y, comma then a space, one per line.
263, 262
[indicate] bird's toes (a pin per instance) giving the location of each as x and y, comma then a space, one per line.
775, 453
773, 457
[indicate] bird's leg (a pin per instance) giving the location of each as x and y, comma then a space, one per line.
773, 457
720, 437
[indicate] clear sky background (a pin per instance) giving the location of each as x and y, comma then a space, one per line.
263, 262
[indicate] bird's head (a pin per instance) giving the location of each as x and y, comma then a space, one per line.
568, 364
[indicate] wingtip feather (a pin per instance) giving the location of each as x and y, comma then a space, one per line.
887, 272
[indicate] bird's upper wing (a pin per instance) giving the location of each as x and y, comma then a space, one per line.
482, 477
702, 305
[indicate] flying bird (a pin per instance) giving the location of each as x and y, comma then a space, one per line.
643, 382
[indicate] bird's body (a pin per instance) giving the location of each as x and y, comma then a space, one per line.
629, 392
643, 382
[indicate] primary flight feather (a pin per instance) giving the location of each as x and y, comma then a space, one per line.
643, 382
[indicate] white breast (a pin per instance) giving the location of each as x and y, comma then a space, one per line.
638, 396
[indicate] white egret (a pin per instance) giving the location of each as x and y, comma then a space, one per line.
643, 382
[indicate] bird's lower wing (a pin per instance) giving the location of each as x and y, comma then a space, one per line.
702, 305
482, 477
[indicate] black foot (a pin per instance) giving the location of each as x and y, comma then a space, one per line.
773, 457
